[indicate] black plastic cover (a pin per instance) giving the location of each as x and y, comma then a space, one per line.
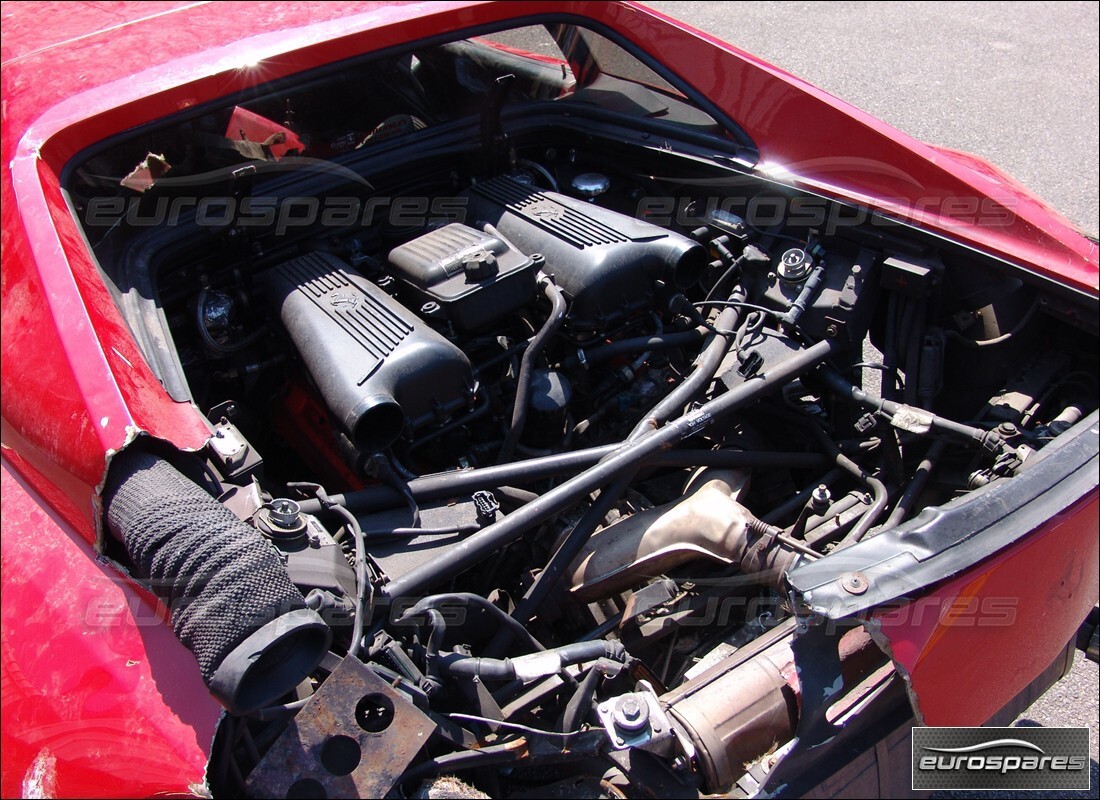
477, 278
605, 262
377, 365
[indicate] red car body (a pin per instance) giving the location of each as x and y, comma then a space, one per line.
99, 699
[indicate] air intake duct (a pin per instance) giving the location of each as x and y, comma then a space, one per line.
379, 368
606, 263
231, 601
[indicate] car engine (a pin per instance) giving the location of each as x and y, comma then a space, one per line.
524, 447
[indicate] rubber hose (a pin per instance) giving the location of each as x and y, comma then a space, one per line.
231, 601
527, 367
706, 365
549, 662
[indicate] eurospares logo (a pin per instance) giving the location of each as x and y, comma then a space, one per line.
1001, 758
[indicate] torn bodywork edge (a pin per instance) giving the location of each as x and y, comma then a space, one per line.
943, 541
133, 435
874, 630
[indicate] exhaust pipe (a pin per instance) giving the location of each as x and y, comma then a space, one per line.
710, 523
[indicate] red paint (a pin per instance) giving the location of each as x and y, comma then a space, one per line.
93, 682
301, 419
971, 645
251, 127
852, 155
75, 386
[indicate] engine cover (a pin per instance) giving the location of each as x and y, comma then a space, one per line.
378, 367
606, 263
475, 277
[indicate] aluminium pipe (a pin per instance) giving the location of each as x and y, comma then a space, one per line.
916, 420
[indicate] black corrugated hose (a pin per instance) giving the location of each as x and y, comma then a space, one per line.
229, 596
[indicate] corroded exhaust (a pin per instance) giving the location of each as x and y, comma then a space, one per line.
709, 524
743, 707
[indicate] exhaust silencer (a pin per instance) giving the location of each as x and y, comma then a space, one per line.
739, 709
229, 596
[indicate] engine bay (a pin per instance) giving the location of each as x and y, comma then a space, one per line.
539, 423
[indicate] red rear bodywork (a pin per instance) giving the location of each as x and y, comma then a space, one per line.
99, 699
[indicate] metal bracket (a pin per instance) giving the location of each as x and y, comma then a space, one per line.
636, 719
354, 738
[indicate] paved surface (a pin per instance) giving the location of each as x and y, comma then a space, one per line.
1015, 83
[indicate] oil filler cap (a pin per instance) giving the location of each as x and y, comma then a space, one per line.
479, 266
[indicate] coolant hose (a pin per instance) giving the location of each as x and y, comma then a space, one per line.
527, 367
229, 596
465, 600
658, 341
710, 358
533, 665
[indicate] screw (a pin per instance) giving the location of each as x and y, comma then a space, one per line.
831, 331
631, 713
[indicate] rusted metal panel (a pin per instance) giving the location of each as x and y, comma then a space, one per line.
354, 738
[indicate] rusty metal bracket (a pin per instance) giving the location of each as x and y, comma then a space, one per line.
355, 738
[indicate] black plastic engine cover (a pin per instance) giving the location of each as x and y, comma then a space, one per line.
377, 366
475, 277
605, 262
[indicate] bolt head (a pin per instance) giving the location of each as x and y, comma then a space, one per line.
631, 713
854, 583
630, 708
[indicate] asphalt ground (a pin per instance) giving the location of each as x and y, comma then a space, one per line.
1016, 83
